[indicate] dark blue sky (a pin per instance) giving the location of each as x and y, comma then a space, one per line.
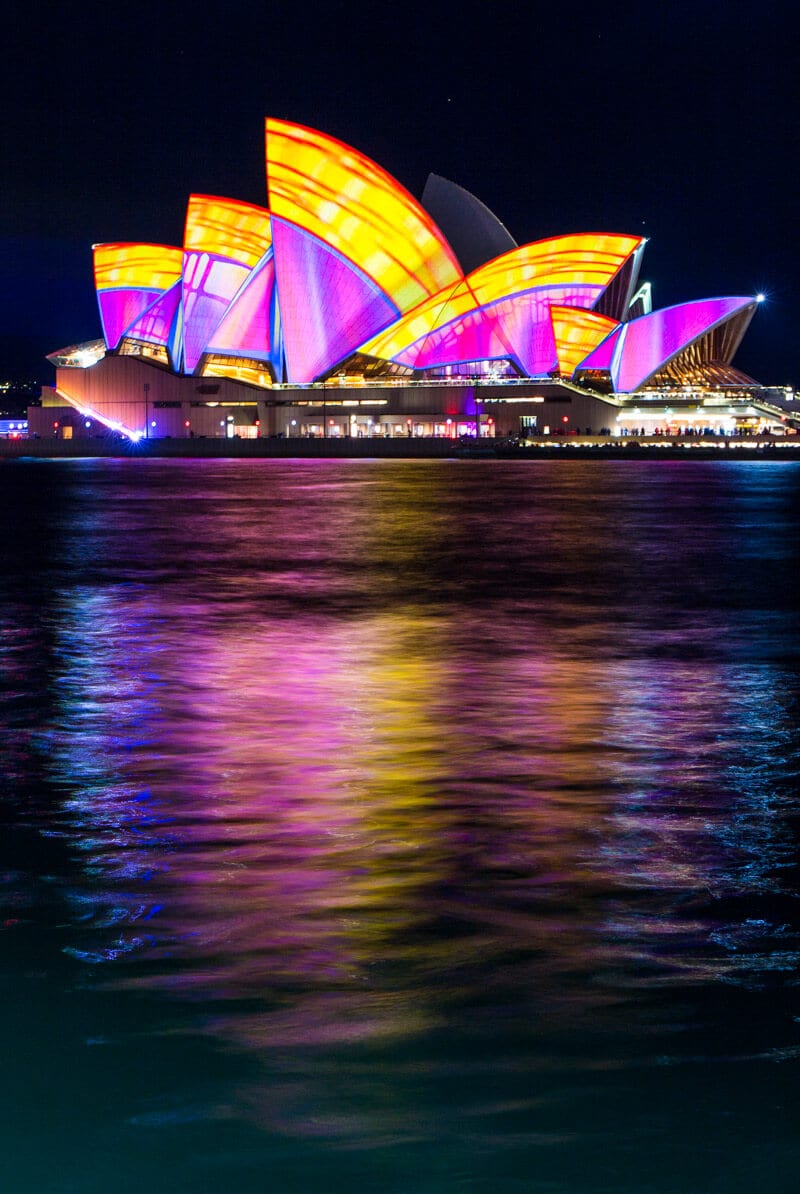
673, 120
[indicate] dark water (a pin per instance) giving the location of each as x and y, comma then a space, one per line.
399, 827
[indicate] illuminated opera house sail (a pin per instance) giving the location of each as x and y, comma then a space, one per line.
346, 306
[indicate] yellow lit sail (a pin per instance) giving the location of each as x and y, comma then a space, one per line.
227, 228
585, 259
132, 266
351, 204
433, 312
585, 262
577, 333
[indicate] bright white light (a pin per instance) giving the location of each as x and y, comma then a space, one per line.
760, 297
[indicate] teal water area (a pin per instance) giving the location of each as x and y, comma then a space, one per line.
408, 826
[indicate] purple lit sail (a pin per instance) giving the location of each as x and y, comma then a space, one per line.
157, 324
121, 308
344, 261
245, 329
328, 306
640, 348
209, 285
518, 327
526, 323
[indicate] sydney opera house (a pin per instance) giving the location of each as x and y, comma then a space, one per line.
346, 307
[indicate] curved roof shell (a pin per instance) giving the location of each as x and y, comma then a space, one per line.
637, 350
474, 231
343, 226
129, 279
223, 241
345, 261
576, 334
356, 208
511, 296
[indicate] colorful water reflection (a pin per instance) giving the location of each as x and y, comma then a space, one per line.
454, 797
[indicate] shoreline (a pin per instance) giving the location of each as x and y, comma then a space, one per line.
581, 448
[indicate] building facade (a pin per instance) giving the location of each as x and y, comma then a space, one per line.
345, 307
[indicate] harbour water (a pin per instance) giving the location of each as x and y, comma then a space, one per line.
423, 826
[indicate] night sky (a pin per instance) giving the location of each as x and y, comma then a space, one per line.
676, 120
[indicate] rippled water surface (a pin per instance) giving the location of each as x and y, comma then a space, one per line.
407, 827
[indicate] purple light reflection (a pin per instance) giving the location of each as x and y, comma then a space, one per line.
342, 780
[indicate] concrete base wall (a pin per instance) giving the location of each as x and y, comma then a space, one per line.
142, 397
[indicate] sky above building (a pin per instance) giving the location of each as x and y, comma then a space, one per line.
676, 121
